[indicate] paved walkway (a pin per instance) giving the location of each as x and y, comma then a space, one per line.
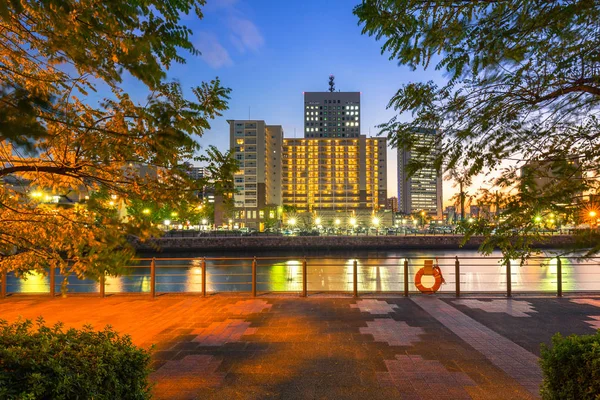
225, 347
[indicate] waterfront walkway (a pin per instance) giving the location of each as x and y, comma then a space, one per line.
422, 347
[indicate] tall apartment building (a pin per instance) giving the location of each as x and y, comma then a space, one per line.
331, 114
258, 148
341, 174
422, 191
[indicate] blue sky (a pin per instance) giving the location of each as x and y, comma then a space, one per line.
270, 51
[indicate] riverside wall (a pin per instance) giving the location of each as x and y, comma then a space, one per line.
426, 242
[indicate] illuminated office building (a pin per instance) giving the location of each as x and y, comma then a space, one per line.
341, 174
331, 114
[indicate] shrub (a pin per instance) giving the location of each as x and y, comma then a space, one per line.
571, 367
53, 363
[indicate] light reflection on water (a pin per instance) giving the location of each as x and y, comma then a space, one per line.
334, 272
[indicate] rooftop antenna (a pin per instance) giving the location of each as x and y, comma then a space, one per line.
331, 83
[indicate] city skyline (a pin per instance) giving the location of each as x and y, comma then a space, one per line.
268, 79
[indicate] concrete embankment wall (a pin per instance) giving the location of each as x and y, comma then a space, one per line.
327, 243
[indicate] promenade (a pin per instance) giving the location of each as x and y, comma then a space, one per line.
334, 347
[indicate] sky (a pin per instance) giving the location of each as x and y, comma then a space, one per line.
269, 52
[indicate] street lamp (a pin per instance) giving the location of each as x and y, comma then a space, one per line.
292, 221
167, 222
317, 221
146, 211
376, 225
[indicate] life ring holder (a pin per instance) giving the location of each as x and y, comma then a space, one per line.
428, 270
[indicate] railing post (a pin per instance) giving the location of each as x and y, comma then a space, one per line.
52, 281
153, 277
203, 276
508, 280
102, 284
558, 277
304, 282
457, 275
405, 278
355, 274
3, 285
254, 277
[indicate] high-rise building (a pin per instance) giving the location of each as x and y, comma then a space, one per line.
257, 147
331, 114
195, 172
423, 190
341, 174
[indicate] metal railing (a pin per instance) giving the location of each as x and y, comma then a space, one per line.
389, 274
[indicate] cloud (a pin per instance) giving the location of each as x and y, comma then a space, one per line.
213, 52
244, 34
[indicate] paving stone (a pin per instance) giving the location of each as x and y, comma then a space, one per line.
515, 308
248, 307
592, 302
394, 333
375, 307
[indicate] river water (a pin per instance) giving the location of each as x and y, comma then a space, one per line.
332, 271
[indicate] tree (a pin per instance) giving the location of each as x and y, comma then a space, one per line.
522, 89
56, 138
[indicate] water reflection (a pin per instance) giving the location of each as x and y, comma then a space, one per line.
377, 272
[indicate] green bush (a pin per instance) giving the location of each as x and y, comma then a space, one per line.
53, 363
571, 367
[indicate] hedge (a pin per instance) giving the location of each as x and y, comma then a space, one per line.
44, 362
571, 367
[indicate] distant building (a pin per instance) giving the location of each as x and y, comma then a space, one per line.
537, 175
196, 172
331, 114
451, 214
392, 204
423, 190
257, 147
474, 211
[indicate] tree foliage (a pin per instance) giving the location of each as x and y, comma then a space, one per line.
522, 91
57, 58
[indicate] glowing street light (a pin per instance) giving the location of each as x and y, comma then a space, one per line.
37, 194
292, 221
204, 222
146, 211
592, 214
318, 221
353, 221
471, 220
538, 219
167, 222
375, 221
174, 214
337, 221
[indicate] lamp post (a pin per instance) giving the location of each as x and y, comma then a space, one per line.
337, 223
376, 225
353, 224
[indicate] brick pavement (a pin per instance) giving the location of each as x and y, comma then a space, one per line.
226, 347
517, 362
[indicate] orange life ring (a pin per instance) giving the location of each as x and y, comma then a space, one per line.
439, 279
